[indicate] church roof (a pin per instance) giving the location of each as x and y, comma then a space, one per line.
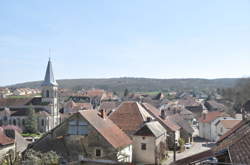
49, 76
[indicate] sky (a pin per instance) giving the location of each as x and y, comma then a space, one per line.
124, 38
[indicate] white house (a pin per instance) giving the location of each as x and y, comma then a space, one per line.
207, 127
149, 143
222, 126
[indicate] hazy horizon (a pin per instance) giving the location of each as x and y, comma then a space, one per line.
134, 38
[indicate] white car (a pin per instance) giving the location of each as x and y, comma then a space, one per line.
187, 145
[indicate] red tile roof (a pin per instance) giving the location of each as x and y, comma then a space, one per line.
157, 114
210, 116
129, 116
4, 140
112, 133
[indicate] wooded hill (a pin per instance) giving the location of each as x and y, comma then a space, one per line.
138, 84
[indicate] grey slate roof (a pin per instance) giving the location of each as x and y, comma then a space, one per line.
49, 76
155, 128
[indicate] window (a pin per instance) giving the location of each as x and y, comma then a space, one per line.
14, 121
78, 128
143, 146
42, 122
23, 122
98, 153
47, 93
221, 129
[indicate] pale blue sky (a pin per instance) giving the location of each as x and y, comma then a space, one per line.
117, 38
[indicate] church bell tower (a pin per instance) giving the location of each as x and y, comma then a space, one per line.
50, 95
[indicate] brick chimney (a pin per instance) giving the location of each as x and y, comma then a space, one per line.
102, 113
149, 119
163, 114
204, 114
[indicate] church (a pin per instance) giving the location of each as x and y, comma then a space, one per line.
14, 111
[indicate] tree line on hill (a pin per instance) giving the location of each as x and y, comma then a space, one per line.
137, 84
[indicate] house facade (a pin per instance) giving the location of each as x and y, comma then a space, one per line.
223, 126
149, 143
207, 124
87, 134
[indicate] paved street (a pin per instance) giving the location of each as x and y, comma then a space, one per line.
198, 146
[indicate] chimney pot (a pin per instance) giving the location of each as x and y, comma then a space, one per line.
103, 114
163, 115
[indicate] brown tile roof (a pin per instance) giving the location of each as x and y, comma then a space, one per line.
94, 93
197, 157
231, 131
214, 105
239, 150
8, 102
112, 133
156, 113
4, 140
237, 142
229, 123
75, 106
129, 116
210, 116
108, 106
189, 102
179, 120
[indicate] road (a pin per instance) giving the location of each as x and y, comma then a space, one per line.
198, 146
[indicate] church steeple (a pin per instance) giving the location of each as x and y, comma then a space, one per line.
49, 76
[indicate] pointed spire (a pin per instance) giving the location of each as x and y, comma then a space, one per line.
49, 76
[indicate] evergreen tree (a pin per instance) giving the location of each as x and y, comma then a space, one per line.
125, 92
30, 123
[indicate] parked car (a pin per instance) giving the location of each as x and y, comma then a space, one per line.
187, 145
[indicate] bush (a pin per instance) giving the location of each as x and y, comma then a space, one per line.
35, 157
181, 143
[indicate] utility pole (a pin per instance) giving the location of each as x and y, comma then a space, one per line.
174, 148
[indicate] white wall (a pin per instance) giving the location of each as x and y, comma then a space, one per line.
214, 134
208, 130
125, 151
144, 156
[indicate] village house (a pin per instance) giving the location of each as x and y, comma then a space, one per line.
191, 104
71, 107
207, 124
88, 134
213, 105
223, 126
6, 144
173, 129
14, 111
149, 143
133, 119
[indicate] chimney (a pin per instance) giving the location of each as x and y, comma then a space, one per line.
204, 114
102, 113
148, 119
163, 114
